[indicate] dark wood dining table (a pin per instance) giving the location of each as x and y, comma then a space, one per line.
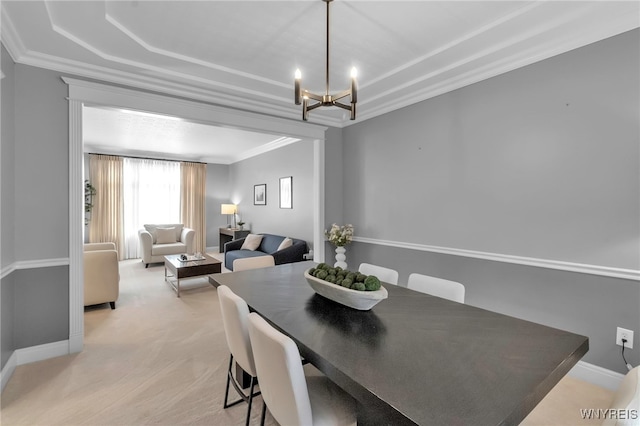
415, 358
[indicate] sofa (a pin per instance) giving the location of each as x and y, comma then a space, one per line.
101, 274
157, 241
268, 246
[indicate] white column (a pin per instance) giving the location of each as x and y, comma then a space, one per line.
318, 200
76, 228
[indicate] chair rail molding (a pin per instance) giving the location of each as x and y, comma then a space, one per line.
606, 271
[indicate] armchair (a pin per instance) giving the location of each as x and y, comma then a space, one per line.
157, 241
101, 274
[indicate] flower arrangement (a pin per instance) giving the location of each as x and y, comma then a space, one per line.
339, 236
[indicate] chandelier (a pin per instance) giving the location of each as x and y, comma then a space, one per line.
303, 96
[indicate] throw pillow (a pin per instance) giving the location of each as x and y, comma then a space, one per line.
287, 242
251, 242
165, 235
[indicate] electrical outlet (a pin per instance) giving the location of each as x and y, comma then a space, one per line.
623, 333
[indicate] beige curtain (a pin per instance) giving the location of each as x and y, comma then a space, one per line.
192, 200
106, 224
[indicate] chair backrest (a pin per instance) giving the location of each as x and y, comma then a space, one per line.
234, 319
282, 381
627, 397
437, 287
253, 263
384, 274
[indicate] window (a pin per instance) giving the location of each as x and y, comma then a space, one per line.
151, 194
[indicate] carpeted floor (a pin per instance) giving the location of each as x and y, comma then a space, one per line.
158, 359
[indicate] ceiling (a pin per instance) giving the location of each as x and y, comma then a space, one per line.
242, 54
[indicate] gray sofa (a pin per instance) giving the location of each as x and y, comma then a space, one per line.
268, 247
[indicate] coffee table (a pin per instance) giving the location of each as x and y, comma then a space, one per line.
189, 268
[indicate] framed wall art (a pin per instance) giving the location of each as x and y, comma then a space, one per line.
260, 194
286, 192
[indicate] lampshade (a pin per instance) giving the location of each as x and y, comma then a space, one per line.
227, 209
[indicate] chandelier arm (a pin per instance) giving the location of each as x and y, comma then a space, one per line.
341, 95
313, 96
343, 106
314, 106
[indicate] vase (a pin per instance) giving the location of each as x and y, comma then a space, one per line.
340, 258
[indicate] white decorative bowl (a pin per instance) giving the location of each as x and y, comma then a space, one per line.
356, 299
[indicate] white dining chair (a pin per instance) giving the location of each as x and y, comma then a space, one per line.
292, 398
386, 275
253, 263
626, 399
235, 322
437, 287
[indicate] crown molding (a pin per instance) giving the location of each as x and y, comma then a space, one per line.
235, 94
10, 38
512, 62
278, 143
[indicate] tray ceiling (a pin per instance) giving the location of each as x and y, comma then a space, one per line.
242, 54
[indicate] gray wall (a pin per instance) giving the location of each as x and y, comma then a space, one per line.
540, 162
35, 302
7, 203
292, 160
41, 306
333, 182
217, 193
42, 159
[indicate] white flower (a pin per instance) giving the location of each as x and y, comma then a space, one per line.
340, 235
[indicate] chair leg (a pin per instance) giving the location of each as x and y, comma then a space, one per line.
113, 305
264, 412
146, 265
226, 392
243, 397
253, 383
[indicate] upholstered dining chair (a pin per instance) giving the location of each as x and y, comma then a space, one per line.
234, 319
384, 274
292, 398
253, 263
437, 287
627, 397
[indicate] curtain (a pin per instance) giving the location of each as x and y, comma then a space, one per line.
107, 214
192, 205
151, 196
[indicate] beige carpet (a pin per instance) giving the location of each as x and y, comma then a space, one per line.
158, 359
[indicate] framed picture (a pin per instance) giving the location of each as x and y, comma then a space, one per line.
260, 194
286, 192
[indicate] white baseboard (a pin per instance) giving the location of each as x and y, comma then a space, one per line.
42, 352
7, 371
599, 376
32, 354
215, 249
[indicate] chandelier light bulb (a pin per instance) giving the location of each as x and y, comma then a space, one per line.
354, 72
296, 93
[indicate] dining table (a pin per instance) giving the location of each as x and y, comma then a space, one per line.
414, 358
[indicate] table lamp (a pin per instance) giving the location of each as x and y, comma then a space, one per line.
229, 209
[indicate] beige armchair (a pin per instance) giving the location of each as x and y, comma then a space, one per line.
101, 274
157, 241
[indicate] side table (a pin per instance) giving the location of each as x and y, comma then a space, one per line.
230, 234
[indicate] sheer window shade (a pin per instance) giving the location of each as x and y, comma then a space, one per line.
151, 196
